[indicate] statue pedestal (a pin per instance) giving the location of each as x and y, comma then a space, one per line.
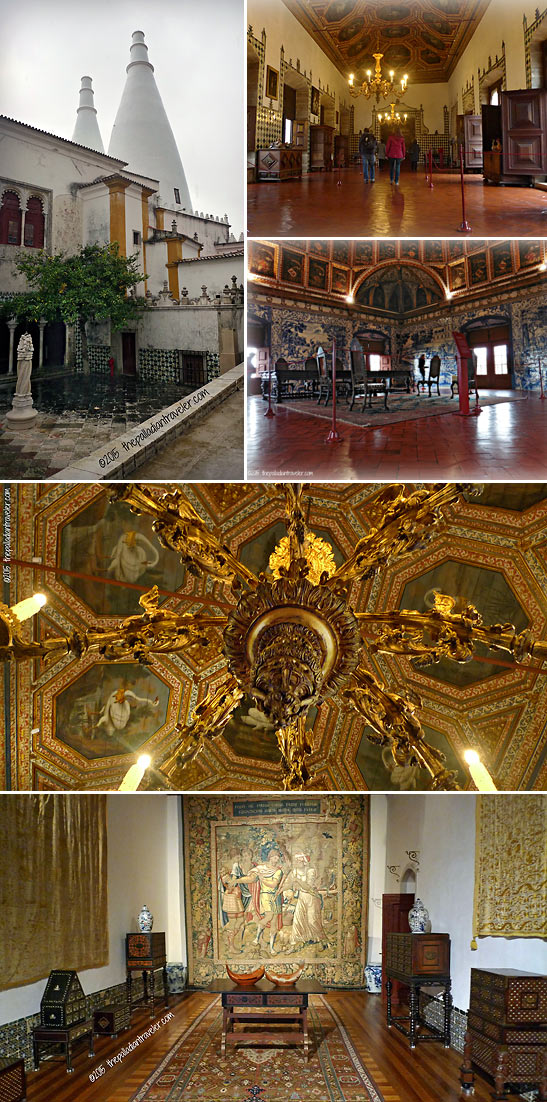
22, 414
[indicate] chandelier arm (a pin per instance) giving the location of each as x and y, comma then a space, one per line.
294, 746
180, 528
210, 718
401, 521
438, 633
137, 637
394, 720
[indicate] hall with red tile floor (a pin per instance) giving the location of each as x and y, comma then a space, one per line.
505, 442
317, 205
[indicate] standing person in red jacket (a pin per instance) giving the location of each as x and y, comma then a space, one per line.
395, 151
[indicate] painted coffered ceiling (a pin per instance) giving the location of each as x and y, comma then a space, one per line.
424, 38
490, 550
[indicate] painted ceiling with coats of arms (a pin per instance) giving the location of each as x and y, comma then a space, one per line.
424, 38
78, 724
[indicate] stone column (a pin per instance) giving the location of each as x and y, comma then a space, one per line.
22, 413
41, 349
12, 326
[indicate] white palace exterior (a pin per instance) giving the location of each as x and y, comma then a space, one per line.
62, 195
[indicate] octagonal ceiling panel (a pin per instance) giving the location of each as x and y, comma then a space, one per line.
110, 709
487, 590
57, 741
425, 38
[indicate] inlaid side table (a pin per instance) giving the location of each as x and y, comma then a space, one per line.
42, 1036
256, 1007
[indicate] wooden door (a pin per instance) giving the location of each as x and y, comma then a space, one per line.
492, 349
473, 140
524, 137
395, 910
129, 354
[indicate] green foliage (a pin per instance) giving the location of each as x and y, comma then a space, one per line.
91, 286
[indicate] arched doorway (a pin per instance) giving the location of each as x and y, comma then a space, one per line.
490, 339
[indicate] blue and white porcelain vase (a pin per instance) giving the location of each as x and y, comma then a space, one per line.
418, 917
145, 920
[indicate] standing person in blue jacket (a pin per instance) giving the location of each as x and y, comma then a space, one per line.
367, 149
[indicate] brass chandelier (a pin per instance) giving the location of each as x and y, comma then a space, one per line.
378, 85
292, 639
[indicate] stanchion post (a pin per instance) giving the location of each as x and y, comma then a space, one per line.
269, 412
334, 435
431, 184
542, 395
464, 227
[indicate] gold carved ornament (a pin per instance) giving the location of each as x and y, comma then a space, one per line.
292, 639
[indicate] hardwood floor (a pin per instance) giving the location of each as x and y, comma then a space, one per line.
505, 442
317, 206
428, 1074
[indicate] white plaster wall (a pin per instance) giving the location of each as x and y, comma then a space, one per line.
377, 869
95, 216
283, 29
214, 274
145, 865
38, 159
193, 328
502, 22
442, 828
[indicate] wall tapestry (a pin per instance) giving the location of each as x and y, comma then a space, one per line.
53, 873
511, 867
280, 880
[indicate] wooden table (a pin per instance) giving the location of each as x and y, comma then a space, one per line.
256, 1006
65, 1037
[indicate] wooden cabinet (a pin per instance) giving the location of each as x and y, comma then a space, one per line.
321, 147
395, 908
524, 131
146, 953
419, 960
341, 150
279, 163
473, 141
13, 1081
507, 1029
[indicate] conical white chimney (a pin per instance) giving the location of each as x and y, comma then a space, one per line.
141, 134
86, 130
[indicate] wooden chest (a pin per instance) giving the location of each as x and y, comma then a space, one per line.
509, 997
420, 955
13, 1082
279, 164
108, 1021
506, 1028
63, 1001
145, 950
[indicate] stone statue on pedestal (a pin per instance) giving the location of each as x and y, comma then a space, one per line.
22, 411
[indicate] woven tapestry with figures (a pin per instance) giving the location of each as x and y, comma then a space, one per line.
279, 880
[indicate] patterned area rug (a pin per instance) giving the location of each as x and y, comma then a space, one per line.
402, 407
193, 1070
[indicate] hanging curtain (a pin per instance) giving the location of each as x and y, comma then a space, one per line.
53, 885
511, 867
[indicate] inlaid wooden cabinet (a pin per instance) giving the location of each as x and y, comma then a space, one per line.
507, 1029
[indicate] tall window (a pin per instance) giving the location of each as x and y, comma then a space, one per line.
177, 195
34, 224
10, 219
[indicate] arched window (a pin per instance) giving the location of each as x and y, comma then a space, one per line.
10, 219
34, 224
